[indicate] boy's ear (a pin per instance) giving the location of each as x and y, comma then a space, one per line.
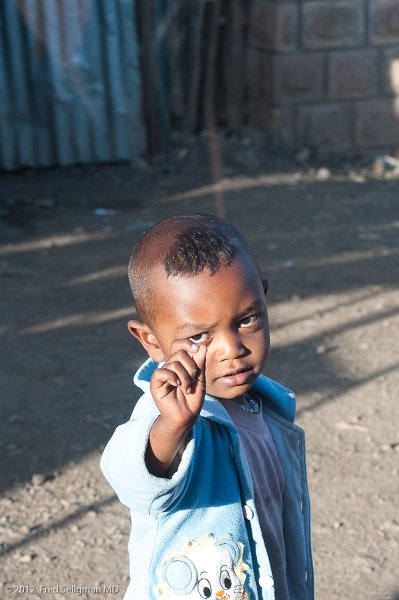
265, 284
147, 339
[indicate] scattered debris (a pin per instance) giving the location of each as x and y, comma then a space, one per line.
38, 479
323, 174
351, 427
104, 212
384, 164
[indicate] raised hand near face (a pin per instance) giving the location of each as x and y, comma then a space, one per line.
178, 389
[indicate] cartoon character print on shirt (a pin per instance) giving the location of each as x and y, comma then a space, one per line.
206, 568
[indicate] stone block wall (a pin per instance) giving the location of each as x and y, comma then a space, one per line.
325, 73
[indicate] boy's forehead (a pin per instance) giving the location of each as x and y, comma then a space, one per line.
240, 278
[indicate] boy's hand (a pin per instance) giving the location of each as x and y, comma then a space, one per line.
178, 387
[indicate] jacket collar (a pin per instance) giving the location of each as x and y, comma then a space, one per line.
276, 397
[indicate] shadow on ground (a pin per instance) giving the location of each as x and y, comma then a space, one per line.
67, 356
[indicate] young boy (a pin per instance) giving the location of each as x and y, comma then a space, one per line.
210, 463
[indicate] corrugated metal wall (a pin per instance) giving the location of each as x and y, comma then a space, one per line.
70, 89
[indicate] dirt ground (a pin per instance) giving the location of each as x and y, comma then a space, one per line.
328, 242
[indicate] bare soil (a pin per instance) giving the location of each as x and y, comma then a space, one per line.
328, 242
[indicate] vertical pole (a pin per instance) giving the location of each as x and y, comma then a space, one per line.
234, 63
196, 27
209, 106
150, 74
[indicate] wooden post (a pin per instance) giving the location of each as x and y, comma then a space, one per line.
196, 26
150, 74
175, 52
209, 106
234, 63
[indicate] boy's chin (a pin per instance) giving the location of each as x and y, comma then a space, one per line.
228, 393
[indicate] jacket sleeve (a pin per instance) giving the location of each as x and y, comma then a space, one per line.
123, 465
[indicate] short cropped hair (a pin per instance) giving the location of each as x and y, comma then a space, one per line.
184, 245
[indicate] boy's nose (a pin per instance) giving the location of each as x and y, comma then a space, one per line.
220, 593
231, 346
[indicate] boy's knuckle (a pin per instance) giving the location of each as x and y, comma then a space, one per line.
171, 366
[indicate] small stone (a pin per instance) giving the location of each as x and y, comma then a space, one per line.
10, 532
357, 177
364, 346
377, 168
92, 514
323, 174
288, 264
390, 163
38, 479
26, 558
24, 529
104, 212
321, 349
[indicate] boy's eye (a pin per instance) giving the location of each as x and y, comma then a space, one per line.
199, 338
248, 321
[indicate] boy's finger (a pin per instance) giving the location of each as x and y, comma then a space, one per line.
199, 384
184, 358
164, 375
186, 377
200, 359
184, 344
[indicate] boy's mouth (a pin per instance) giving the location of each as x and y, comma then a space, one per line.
237, 376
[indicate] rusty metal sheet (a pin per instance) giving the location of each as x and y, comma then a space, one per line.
70, 87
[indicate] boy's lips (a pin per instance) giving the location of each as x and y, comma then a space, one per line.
236, 376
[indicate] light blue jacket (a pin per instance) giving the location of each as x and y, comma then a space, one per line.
199, 530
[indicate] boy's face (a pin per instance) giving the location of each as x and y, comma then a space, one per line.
226, 312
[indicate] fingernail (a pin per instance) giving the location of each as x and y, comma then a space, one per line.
189, 390
178, 381
194, 347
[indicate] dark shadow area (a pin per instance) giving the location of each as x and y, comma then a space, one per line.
41, 532
68, 359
